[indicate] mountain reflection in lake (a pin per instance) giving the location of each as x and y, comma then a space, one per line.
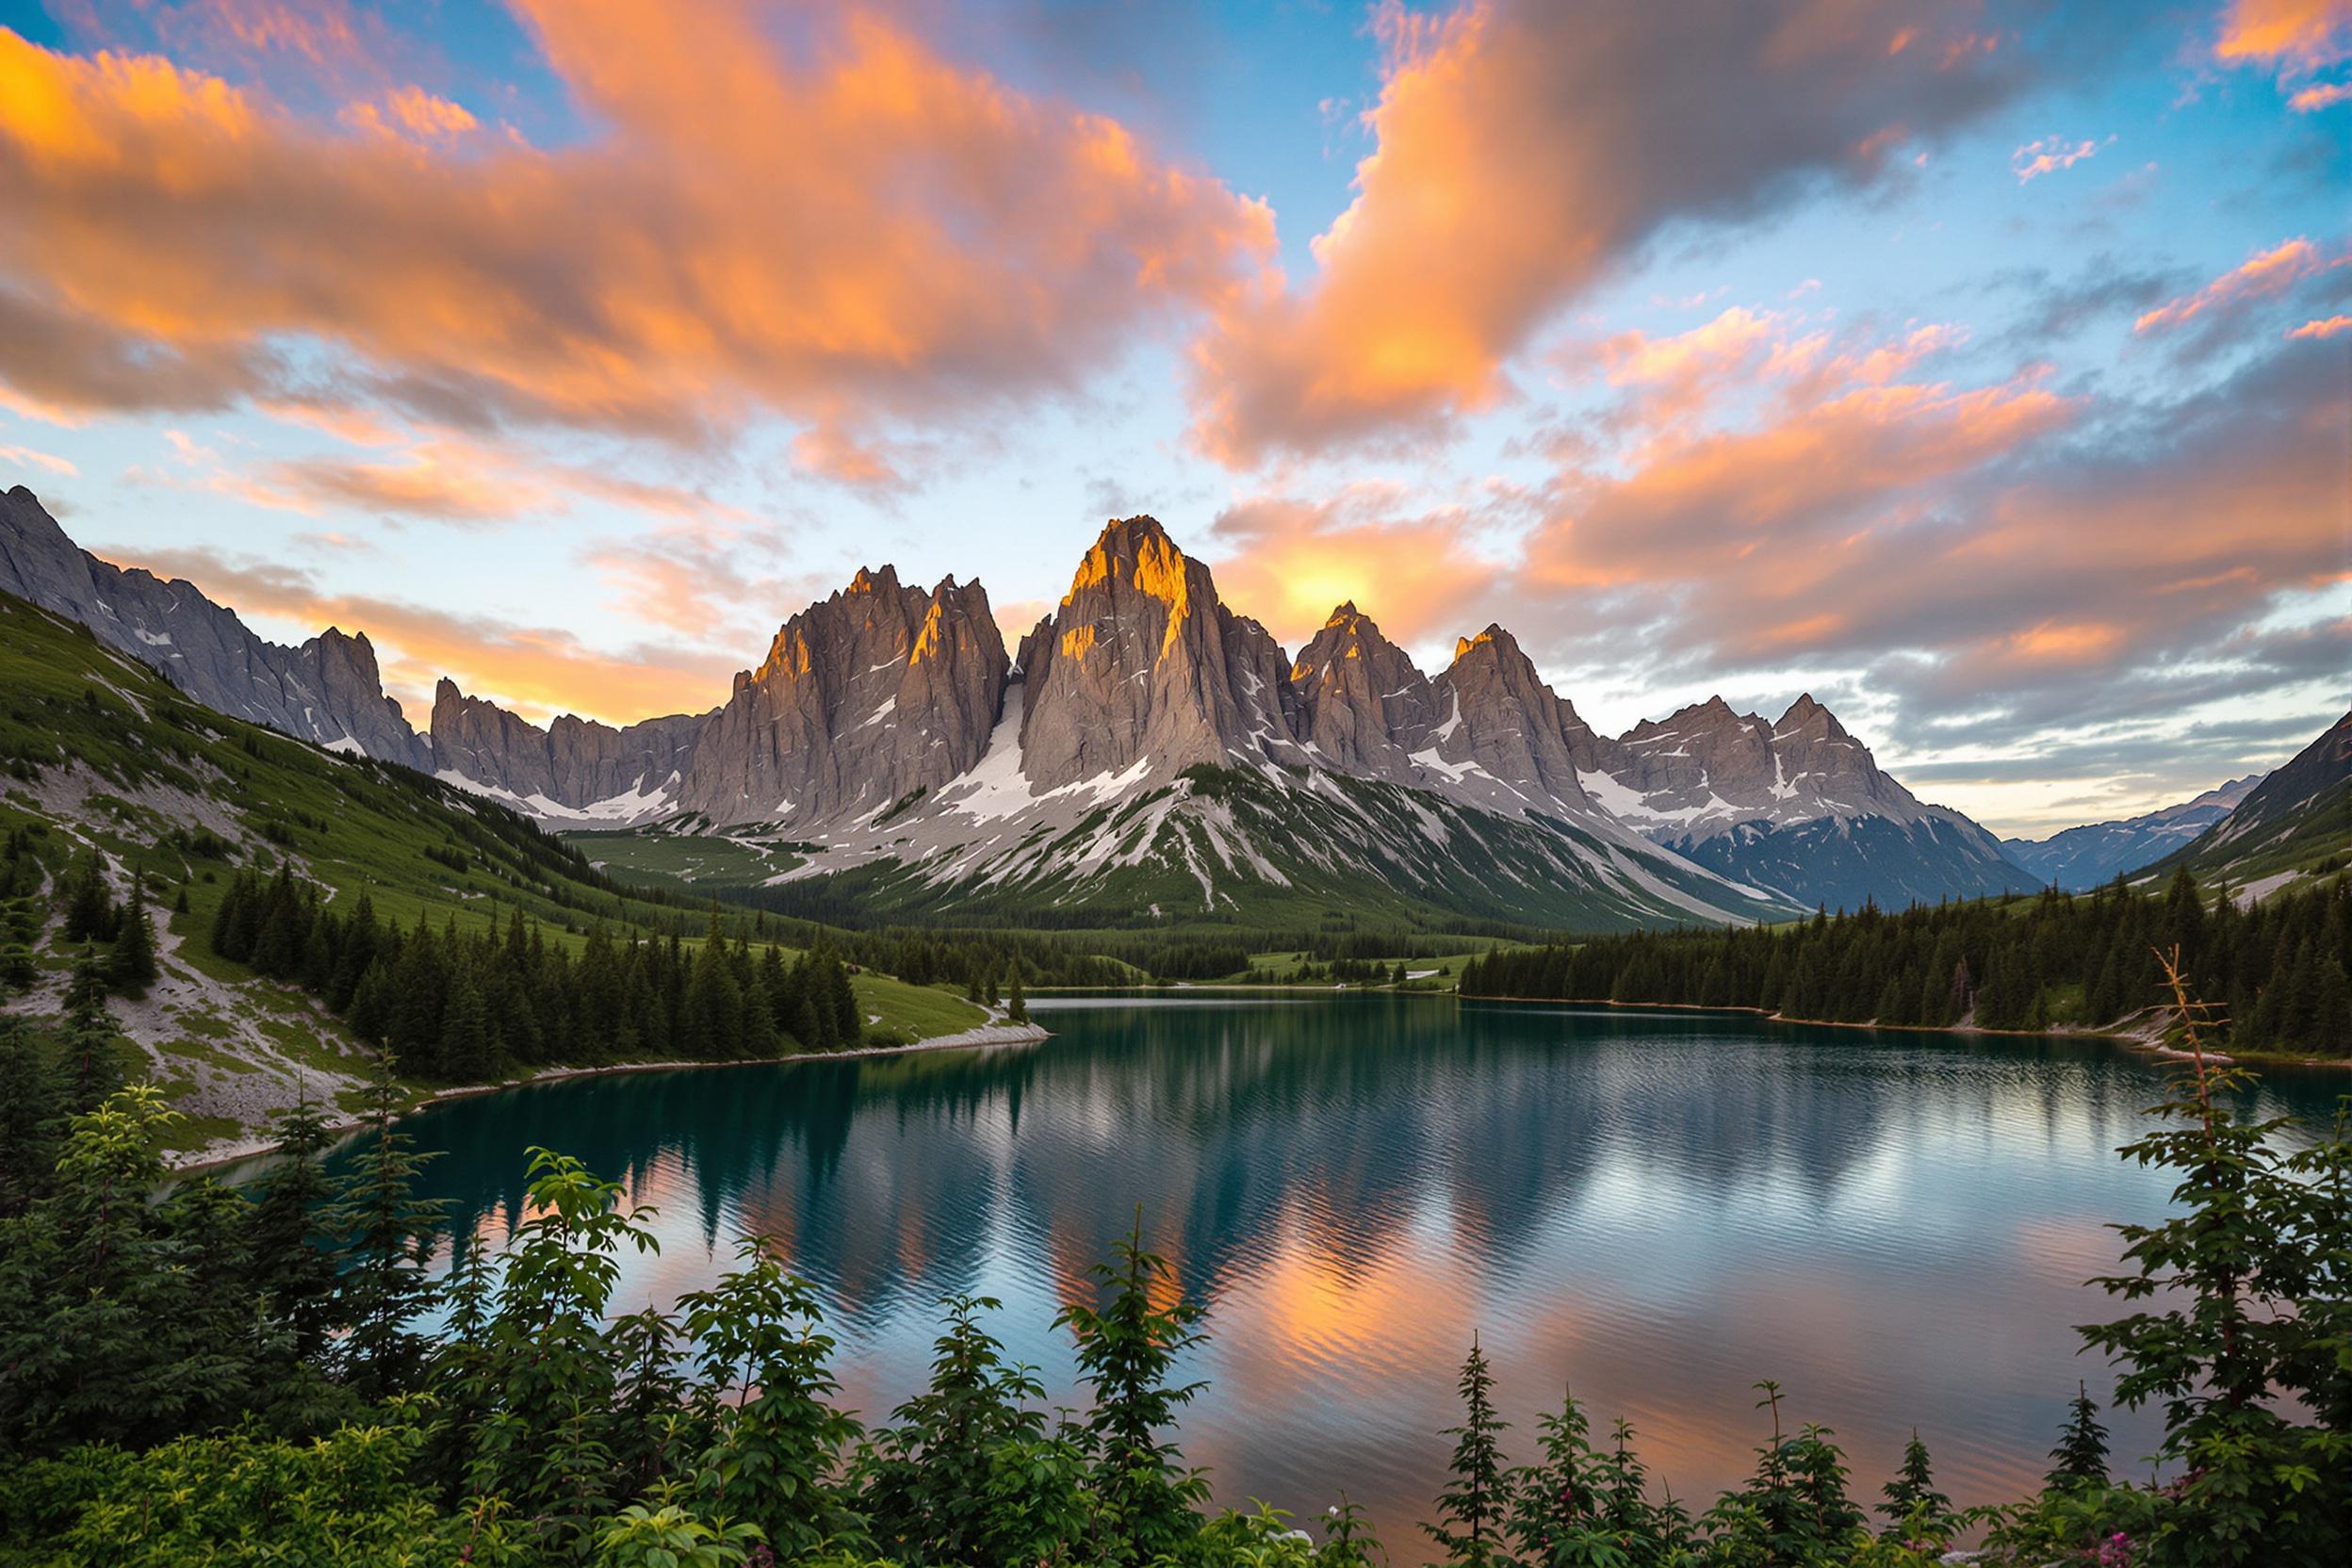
1655, 1209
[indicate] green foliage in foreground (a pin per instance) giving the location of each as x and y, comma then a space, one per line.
218, 1377
2284, 966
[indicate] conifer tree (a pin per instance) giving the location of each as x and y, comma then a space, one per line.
465, 1051
2080, 1457
1556, 1502
131, 966
90, 1070
1145, 1503
1472, 1509
31, 1116
1015, 1001
90, 911
1912, 1494
297, 1277
2242, 1326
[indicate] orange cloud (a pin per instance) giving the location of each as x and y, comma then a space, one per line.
1522, 149
1773, 508
410, 111
355, 426
2311, 100
442, 476
700, 581
2075, 644
848, 230
2328, 327
2263, 275
2295, 35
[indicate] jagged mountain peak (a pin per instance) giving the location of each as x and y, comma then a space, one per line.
885, 695
1123, 544
1710, 716
1494, 643
1346, 627
874, 694
325, 691
1805, 711
1142, 672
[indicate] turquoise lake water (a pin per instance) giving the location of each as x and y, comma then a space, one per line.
1657, 1209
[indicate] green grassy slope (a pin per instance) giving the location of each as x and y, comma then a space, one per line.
1222, 851
98, 752
672, 855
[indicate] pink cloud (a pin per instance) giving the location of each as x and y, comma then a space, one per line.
2263, 275
27, 457
2049, 156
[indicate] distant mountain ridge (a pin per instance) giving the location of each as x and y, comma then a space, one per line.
888, 725
2097, 853
1796, 804
328, 690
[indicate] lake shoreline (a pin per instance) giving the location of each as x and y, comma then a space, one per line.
983, 1036
2142, 1031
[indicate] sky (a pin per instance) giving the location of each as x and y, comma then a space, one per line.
1983, 369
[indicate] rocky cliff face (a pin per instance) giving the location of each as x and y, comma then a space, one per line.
573, 766
2297, 818
1142, 673
341, 668
1503, 724
1363, 706
877, 693
327, 690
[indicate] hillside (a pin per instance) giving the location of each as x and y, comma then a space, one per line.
107, 764
2294, 825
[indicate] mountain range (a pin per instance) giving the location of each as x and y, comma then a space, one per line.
1145, 751
2097, 853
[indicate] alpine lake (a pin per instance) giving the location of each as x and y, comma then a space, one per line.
1653, 1209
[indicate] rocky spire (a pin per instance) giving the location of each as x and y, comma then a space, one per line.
1143, 670
1363, 707
877, 692
1501, 716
